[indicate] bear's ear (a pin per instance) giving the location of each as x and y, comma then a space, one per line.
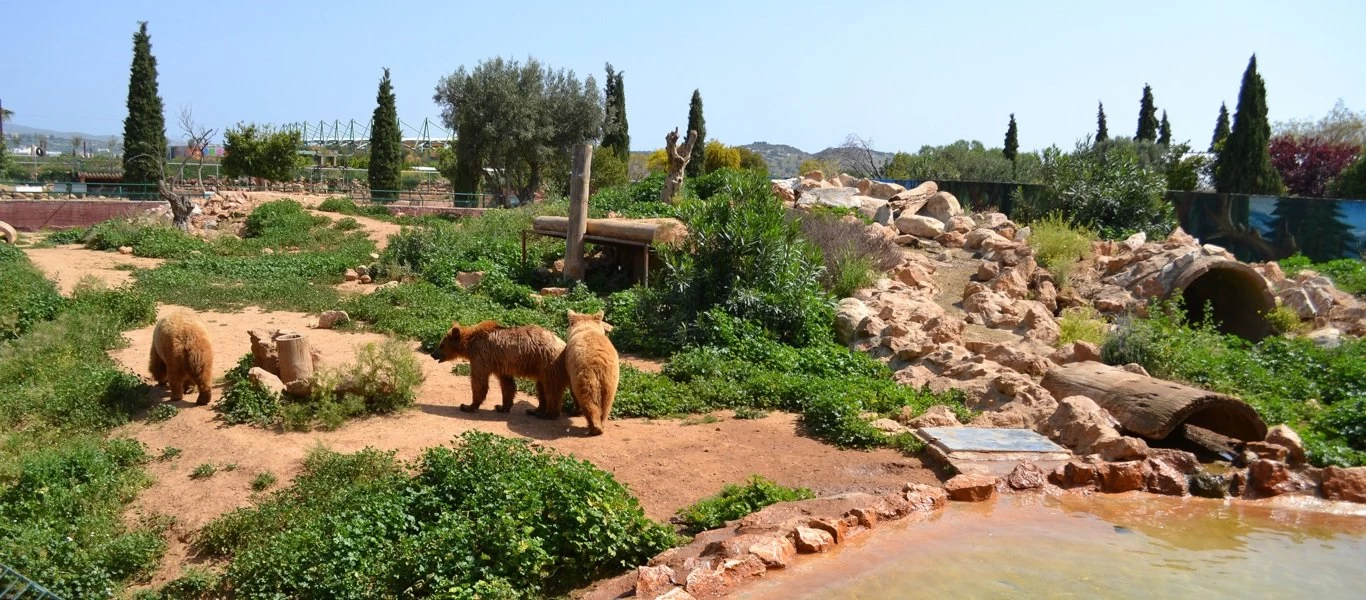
598, 315
606, 327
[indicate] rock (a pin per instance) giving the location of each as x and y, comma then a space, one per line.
776, 552
126, 250
905, 239
877, 210
970, 487
677, 593
653, 582
362, 271
836, 528
919, 225
1345, 484
934, 416
1012, 282
1297, 299
1022, 235
959, 223
810, 540
350, 275
1136, 369
1325, 337
884, 191
267, 380
1079, 422
736, 571
850, 313
987, 271
910, 201
1026, 476
1038, 325
387, 285
1134, 242
1270, 478
467, 280
1121, 448
705, 583
1077, 351
1184, 462
814, 176
951, 239
838, 197
1208, 485
942, 206
1166, 480
1075, 474
1047, 295
363, 278
888, 426
978, 238
554, 291
329, 318
1284, 436
1118, 477
267, 251
916, 276
1268, 451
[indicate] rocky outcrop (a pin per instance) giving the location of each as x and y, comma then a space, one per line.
1345, 484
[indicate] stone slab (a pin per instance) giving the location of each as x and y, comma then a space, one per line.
982, 439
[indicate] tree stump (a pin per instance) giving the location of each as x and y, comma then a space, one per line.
296, 361
678, 160
578, 212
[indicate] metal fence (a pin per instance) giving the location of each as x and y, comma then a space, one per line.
14, 586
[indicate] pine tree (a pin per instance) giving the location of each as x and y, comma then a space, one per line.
1147, 116
615, 134
386, 142
1244, 166
1012, 147
1164, 135
699, 124
1220, 128
1102, 132
144, 130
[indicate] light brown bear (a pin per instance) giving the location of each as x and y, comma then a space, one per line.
182, 355
591, 368
506, 352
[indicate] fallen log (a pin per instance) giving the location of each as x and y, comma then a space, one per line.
1154, 408
644, 231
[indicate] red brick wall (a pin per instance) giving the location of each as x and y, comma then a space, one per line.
33, 215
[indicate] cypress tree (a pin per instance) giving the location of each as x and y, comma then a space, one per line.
699, 124
1102, 132
1012, 147
1147, 116
1244, 165
1220, 128
615, 134
144, 130
1164, 135
386, 142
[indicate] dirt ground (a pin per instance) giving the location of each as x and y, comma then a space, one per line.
668, 464
67, 264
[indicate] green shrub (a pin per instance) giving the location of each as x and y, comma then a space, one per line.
853, 256
346, 224
1108, 188
1283, 319
488, 514
203, 471
244, 400
72, 235
168, 453
1059, 246
263, 481
1081, 323
736, 501
338, 204
162, 412
281, 219
385, 376
634, 201
148, 237
1319, 392
193, 584
26, 296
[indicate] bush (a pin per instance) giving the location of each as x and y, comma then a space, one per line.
636, 200
853, 254
245, 401
358, 525
736, 501
338, 204
1319, 392
1081, 323
263, 481
26, 296
73, 235
1348, 274
1104, 188
282, 223
385, 376
346, 224
193, 584
148, 237
1283, 319
1059, 246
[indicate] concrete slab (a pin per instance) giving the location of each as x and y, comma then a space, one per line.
991, 451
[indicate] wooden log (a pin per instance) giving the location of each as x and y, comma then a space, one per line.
7, 231
1154, 408
296, 361
577, 223
642, 230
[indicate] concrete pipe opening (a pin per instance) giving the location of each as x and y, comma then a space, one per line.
1237, 297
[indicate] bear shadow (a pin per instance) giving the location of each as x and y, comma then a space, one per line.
518, 421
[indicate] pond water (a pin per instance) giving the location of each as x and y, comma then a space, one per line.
1116, 546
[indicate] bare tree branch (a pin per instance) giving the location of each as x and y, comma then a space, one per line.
858, 156
197, 137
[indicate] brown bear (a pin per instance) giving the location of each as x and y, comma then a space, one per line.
591, 367
182, 355
506, 352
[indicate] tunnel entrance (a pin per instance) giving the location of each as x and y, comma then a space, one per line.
1236, 295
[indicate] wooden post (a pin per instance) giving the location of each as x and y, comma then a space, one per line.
578, 212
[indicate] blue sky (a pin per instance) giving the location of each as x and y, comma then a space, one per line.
903, 74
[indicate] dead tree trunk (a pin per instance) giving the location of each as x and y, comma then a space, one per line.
181, 206
678, 160
578, 212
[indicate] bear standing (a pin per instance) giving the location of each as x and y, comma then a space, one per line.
505, 352
182, 355
591, 366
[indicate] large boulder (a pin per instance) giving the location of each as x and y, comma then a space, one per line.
1026, 476
919, 226
883, 190
877, 210
1345, 484
960, 223
837, 197
1079, 423
970, 487
981, 237
1118, 477
942, 206
911, 201
934, 416
850, 313
1284, 436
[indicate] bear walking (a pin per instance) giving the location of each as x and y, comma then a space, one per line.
182, 355
591, 367
506, 352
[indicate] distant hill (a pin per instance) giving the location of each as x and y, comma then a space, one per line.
26, 130
783, 160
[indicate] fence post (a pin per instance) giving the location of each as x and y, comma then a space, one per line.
578, 212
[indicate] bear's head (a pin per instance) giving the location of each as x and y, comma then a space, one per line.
586, 320
456, 344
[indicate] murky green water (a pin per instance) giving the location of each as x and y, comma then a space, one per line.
1125, 546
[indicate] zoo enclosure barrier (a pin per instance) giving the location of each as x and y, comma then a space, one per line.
14, 586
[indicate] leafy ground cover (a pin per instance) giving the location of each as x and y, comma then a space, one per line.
735, 501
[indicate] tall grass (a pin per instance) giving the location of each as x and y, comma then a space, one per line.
1059, 246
